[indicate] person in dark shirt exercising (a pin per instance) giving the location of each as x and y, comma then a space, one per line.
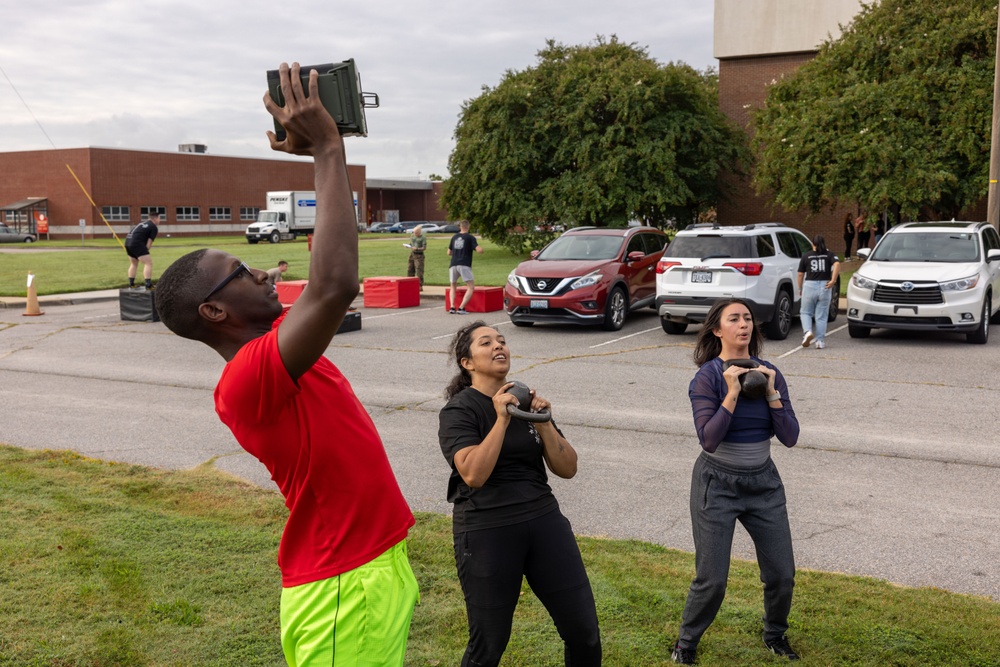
735, 479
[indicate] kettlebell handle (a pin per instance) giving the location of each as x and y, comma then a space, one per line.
523, 409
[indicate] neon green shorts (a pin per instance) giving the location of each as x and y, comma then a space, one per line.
360, 618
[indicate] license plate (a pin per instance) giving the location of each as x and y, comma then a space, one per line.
539, 303
701, 276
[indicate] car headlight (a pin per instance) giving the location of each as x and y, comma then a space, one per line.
512, 279
960, 284
862, 282
591, 278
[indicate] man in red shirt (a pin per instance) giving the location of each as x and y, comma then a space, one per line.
347, 588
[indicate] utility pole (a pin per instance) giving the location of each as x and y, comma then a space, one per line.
993, 197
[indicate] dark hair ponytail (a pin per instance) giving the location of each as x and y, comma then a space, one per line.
461, 348
820, 243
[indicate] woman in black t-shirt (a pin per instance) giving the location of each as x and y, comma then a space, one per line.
507, 524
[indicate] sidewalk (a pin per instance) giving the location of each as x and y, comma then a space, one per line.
429, 292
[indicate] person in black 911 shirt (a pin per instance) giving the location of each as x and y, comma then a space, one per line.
818, 271
507, 524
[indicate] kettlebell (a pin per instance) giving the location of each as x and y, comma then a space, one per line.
523, 409
753, 384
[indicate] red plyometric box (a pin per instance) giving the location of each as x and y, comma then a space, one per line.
392, 292
290, 290
484, 299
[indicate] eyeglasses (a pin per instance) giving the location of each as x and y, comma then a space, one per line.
242, 268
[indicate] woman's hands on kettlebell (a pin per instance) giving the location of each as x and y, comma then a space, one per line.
539, 404
502, 399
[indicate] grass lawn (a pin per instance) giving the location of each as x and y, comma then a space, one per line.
62, 267
118, 565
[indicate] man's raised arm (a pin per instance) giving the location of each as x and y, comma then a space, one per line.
311, 323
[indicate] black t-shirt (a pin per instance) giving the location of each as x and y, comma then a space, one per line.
817, 265
517, 490
462, 246
140, 234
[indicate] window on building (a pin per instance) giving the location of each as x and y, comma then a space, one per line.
145, 212
188, 213
115, 213
220, 213
249, 213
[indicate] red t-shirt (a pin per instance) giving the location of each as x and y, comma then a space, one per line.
323, 452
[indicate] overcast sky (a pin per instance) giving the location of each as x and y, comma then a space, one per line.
157, 73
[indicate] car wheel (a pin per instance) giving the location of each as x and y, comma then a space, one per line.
781, 324
275, 237
522, 323
673, 328
615, 309
982, 334
29, 240
858, 331
834, 303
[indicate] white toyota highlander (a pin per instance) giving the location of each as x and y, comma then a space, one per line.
928, 276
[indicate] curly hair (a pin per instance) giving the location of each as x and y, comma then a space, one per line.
179, 292
708, 346
461, 348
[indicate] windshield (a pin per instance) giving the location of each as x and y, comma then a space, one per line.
707, 245
582, 247
267, 216
928, 247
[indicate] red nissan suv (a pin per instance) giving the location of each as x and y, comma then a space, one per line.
589, 275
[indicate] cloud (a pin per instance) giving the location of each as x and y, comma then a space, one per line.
152, 75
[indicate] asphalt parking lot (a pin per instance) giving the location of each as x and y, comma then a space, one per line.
894, 475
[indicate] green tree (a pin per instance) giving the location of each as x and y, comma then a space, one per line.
894, 113
592, 135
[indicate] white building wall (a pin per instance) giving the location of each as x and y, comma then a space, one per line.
768, 27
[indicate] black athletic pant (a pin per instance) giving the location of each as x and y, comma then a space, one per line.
491, 564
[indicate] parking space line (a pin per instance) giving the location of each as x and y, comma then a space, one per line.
796, 349
638, 333
401, 312
449, 335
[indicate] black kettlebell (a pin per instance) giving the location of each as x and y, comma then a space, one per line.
523, 409
753, 384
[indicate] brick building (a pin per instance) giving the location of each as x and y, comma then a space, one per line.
756, 43
194, 192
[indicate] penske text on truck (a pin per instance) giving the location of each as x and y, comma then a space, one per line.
288, 214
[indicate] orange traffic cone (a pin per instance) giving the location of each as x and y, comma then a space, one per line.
32, 305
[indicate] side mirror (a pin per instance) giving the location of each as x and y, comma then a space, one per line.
864, 252
635, 256
534, 254
993, 255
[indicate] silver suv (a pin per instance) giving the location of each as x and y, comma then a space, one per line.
929, 276
758, 263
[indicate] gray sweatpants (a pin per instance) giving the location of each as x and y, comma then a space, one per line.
721, 496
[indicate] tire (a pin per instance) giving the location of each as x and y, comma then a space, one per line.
29, 240
858, 331
275, 237
982, 333
834, 303
615, 310
522, 323
673, 328
252, 241
781, 324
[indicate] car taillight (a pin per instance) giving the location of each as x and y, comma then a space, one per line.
663, 265
747, 268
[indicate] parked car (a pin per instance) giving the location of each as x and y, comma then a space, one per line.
758, 263
405, 227
380, 227
430, 228
8, 235
928, 276
588, 275
448, 229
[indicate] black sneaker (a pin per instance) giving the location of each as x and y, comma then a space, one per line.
463, 311
451, 311
683, 656
780, 646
